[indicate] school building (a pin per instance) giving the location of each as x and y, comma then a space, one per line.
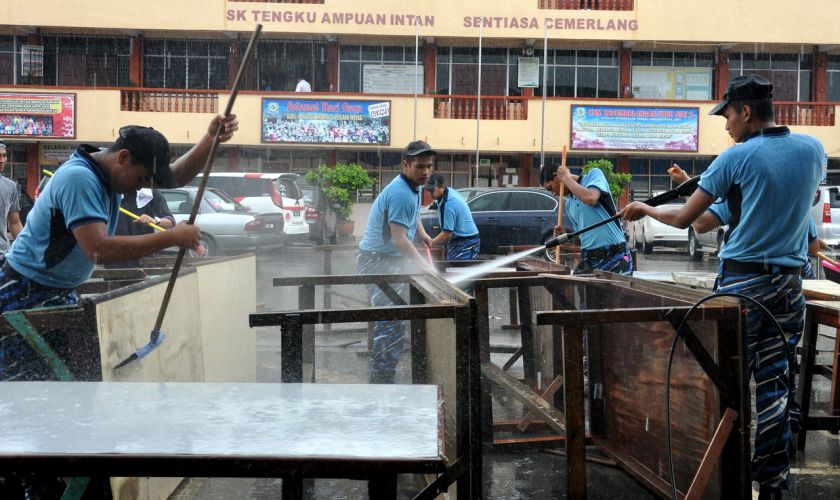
496, 86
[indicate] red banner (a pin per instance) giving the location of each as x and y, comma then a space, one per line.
38, 115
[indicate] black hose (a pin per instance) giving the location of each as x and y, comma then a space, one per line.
668, 379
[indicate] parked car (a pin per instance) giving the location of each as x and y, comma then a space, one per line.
507, 216
265, 193
648, 232
825, 210
226, 226
322, 221
709, 242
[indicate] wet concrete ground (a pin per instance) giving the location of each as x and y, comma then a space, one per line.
340, 357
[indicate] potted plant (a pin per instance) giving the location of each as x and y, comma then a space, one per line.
339, 183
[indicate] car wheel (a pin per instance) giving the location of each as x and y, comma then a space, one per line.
644, 246
208, 244
694, 251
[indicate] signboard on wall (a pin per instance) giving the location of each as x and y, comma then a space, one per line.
528, 74
322, 121
32, 60
38, 115
392, 79
635, 128
694, 84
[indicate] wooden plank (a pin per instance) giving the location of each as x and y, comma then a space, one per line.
553, 417
821, 290
624, 315
575, 413
320, 316
636, 469
546, 395
343, 279
710, 460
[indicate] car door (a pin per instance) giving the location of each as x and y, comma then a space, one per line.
487, 210
528, 213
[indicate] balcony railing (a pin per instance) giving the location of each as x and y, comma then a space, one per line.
804, 113
169, 101
492, 108
587, 4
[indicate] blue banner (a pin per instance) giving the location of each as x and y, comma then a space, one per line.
634, 128
322, 121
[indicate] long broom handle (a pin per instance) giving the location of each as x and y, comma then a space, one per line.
208, 165
560, 206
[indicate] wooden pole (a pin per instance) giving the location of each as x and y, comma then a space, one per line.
560, 207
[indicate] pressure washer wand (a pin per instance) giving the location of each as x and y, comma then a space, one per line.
685, 189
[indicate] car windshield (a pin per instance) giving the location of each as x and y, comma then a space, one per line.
221, 202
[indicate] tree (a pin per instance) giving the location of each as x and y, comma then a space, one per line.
617, 181
339, 184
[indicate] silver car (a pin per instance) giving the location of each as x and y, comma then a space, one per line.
226, 227
825, 210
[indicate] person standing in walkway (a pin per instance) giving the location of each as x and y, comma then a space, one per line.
458, 232
768, 182
10, 224
588, 200
303, 86
150, 205
387, 247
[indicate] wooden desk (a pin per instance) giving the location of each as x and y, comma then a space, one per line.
818, 313
820, 290
292, 431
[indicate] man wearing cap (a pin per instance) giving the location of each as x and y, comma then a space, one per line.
387, 247
768, 182
589, 200
458, 231
9, 205
72, 224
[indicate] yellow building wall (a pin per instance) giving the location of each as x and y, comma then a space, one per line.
98, 119
765, 21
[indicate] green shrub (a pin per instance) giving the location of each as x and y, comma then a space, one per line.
339, 184
617, 181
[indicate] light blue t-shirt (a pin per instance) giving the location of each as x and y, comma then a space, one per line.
582, 215
721, 211
398, 203
46, 250
455, 217
768, 181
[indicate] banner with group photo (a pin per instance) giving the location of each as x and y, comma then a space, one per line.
635, 128
326, 121
38, 115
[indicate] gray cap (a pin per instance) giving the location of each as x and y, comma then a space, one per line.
435, 180
419, 148
744, 88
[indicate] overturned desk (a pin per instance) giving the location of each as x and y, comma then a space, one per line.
368, 432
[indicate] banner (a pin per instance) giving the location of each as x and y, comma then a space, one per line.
635, 128
321, 121
528, 74
38, 115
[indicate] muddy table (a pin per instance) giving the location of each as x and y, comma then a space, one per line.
292, 431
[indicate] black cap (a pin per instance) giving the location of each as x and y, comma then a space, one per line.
744, 88
435, 180
419, 148
149, 148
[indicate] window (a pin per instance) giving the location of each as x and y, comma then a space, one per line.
177, 202
90, 61
491, 202
650, 175
278, 64
579, 73
522, 201
457, 71
186, 64
833, 83
790, 74
672, 75
388, 69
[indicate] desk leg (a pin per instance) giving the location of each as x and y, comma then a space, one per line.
382, 487
806, 375
575, 418
291, 355
292, 488
834, 402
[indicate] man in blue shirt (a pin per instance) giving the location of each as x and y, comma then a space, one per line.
387, 247
588, 201
768, 182
72, 225
458, 231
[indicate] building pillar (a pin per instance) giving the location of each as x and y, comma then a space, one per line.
233, 159
523, 172
429, 66
136, 71
625, 72
332, 68
332, 157
721, 73
33, 168
820, 76
623, 167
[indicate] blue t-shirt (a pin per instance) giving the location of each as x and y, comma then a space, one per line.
582, 215
398, 203
46, 251
455, 217
768, 182
721, 211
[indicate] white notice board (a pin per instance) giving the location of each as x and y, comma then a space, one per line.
392, 79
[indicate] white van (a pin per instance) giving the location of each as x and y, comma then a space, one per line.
265, 193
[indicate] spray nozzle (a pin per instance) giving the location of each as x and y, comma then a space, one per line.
557, 240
